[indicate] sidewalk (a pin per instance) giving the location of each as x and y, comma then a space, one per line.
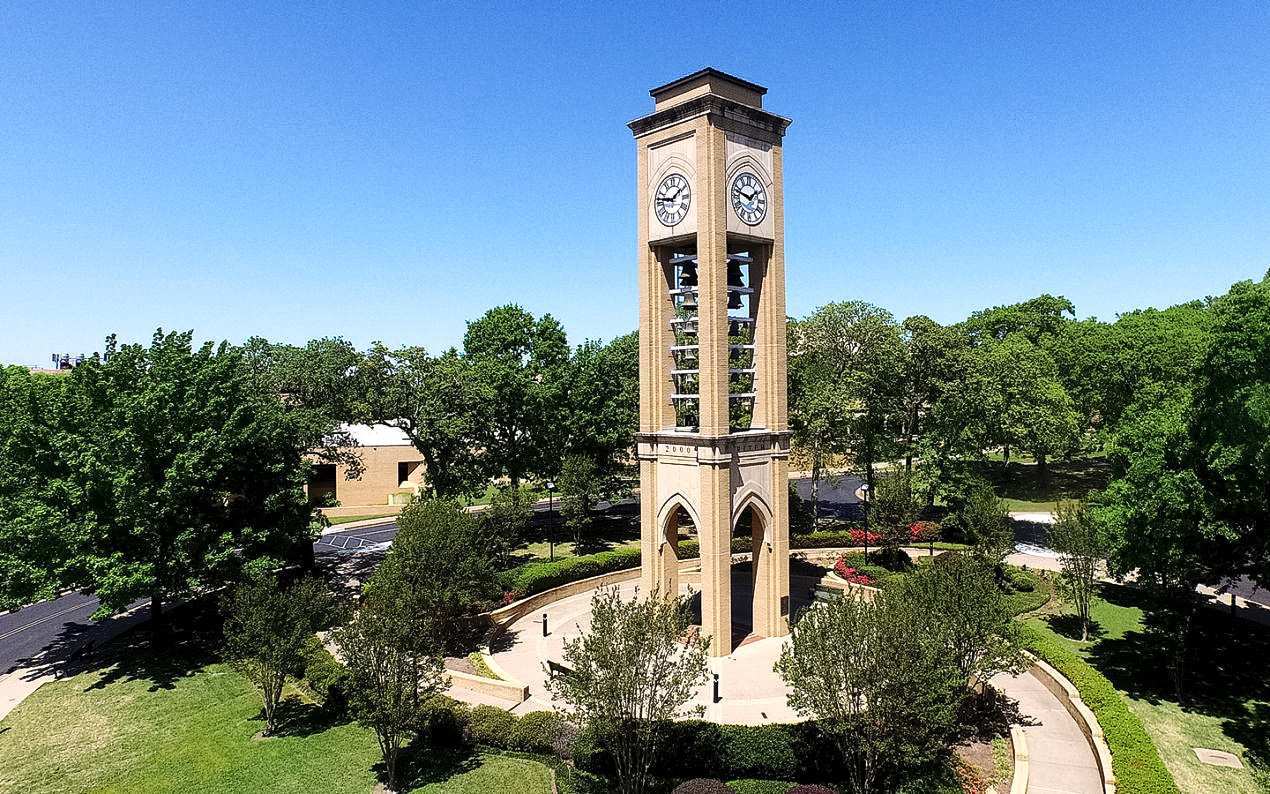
1061, 760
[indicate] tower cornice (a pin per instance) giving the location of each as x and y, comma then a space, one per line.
718, 109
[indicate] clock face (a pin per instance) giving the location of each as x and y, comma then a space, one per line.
672, 200
749, 198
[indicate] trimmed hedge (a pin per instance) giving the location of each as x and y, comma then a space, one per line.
1134, 758
535, 577
1030, 591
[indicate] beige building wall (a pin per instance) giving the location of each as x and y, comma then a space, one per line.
392, 470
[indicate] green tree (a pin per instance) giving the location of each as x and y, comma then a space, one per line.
580, 488
440, 575
40, 527
507, 521
1230, 426
847, 361
521, 364
1039, 320
962, 419
388, 678
1037, 414
267, 629
985, 523
176, 470
603, 404
633, 670
883, 689
961, 608
438, 403
1082, 544
893, 509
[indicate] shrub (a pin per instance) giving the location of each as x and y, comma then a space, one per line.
536, 732
1134, 758
492, 726
763, 751
443, 720
810, 789
923, 531
325, 677
851, 573
534, 577
701, 785
892, 559
753, 786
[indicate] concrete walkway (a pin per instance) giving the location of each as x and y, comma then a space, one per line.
1061, 760
753, 694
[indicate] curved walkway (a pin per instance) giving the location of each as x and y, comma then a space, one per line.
1062, 762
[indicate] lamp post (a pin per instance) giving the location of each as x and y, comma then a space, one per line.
864, 492
551, 518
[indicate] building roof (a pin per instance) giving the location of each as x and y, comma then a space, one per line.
377, 435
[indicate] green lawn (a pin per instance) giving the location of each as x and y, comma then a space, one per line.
1020, 485
134, 728
337, 520
1228, 696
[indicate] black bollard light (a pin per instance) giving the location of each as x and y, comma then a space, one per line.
544, 624
716, 688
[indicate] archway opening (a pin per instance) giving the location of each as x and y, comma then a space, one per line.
752, 582
678, 527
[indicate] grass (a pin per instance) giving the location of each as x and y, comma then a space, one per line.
1228, 697
141, 726
1021, 488
337, 520
480, 666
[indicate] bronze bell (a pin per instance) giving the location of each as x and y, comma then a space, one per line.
734, 300
688, 276
735, 278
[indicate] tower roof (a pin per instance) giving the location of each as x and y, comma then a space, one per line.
708, 81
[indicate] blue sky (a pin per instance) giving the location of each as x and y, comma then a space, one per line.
389, 172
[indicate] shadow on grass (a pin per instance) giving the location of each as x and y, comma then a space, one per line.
1069, 627
1225, 666
192, 633
1068, 479
423, 763
298, 718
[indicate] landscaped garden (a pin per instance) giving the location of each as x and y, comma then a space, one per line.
1227, 699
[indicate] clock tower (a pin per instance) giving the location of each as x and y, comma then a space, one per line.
713, 440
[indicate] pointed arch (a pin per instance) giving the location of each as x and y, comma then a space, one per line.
751, 497
668, 508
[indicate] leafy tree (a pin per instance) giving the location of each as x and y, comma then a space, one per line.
388, 678
175, 469
882, 688
1039, 320
438, 403
929, 358
984, 522
960, 607
580, 488
507, 521
267, 629
961, 421
521, 364
602, 403
322, 389
40, 528
846, 364
1037, 414
1230, 426
635, 668
1156, 509
1082, 544
440, 575
893, 509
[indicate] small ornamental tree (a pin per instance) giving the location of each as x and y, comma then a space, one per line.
388, 679
985, 523
962, 608
635, 668
1082, 543
894, 509
267, 629
885, 691
579, 491
506, 522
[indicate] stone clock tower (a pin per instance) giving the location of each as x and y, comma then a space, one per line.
714, 439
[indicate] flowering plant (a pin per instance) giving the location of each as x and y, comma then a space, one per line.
861, 537
851, 574
923, 531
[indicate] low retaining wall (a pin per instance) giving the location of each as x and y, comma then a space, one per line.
511, 691
1069, 696
1018, 741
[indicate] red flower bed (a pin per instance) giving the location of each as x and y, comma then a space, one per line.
923, 531
851, 574
859, 537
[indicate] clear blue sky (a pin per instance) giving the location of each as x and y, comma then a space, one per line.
390, 172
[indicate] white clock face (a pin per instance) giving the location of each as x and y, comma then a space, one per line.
749, 198
672, 200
